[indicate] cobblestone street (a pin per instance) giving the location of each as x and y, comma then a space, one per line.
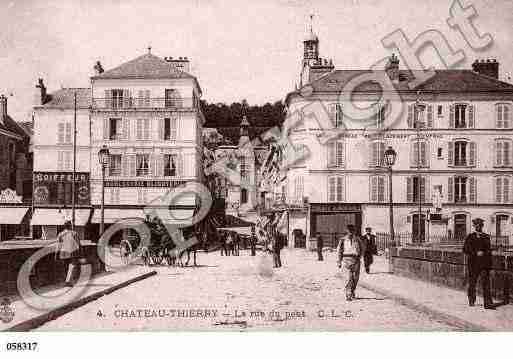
245, 293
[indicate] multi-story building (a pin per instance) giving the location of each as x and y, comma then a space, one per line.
15, 187
147, 113
54, 119
453, 142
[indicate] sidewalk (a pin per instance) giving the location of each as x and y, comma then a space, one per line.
449, 304
27, 317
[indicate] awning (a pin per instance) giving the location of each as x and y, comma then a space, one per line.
113, 215
240, 230
56, 217
12, 215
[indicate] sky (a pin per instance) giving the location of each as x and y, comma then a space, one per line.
238, 49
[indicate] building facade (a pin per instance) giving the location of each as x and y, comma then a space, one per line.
147, 113
454, 152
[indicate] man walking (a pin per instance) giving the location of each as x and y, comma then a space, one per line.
69, 251
369, 248
349, 251
252, 241
276, 248
320, 245
479, 261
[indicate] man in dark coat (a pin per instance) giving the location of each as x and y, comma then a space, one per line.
276, 248
320, 244
369, 248
252, 241
479, 261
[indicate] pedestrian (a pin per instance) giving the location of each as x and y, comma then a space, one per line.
229, 244
252, 241
479, 261
276, 249
349, 251
224, 250
320, 245
69, 251
369, 248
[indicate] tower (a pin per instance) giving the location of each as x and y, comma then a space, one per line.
313, 65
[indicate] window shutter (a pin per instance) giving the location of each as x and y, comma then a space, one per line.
381, 189
472, 189
126, 128
105, 128
340, 154
60, 160
498, 153
140, 98
506, 116
331, 189
422, 189
147, 128
374, 189
499, 119
410, 116
108, 98
161, 129
423, 154
174, 129
498, 189
472, 154
471, 114
373, 154
506, 158
132, 165
333, 112
147, 99
450, 153
340, 189
60, 133
153, 164
338, 117
451, 117
331, 154
139, 129
180, 165
430, 116
124, 165
68, 133
409, 189
126, 98
414, 154
450, 189
506, 189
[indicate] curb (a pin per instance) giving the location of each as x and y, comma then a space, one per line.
38, 321
461, 324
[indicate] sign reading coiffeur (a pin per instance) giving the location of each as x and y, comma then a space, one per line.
57, 188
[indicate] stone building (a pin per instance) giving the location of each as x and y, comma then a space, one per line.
15, 175
453, 140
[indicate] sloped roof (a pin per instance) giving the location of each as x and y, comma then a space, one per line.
443, 81
27, 126
147, 66
12, 126
64, 98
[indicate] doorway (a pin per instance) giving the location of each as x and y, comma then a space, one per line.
501, 229
419, 229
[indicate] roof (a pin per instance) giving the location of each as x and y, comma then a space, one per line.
443, 81
27, 126
145, 66
12, 126
64, 98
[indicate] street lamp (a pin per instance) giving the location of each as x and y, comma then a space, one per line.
103, 158
389, 158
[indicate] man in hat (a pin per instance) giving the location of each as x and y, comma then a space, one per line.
369, 248
349, 252
479, 261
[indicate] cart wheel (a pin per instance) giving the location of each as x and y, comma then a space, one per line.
157, 257
125, 251
145, 255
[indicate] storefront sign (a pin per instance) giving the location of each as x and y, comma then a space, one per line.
9, 196
57, 188
335, 207
144, 184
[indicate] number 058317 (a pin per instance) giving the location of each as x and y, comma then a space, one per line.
22, 346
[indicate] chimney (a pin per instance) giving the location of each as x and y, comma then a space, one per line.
489, 67
3, 108
180, 64
392, 68
40, 97
98, 68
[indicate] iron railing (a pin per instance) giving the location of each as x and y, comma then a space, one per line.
120, 103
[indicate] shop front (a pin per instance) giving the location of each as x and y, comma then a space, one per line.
14, 216
331, 220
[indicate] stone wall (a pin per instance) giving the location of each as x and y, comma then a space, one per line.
447, 267
48, 270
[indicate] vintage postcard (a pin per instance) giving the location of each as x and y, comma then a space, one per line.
275, 165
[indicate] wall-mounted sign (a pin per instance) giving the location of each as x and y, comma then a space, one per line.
9, 196
144, 184
335, 207
57, 188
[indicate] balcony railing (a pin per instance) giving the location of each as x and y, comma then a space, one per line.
120, 103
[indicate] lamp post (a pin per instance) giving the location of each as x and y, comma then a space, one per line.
389, 158
419, 124
103, 158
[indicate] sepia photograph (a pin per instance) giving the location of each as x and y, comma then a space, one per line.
255, 166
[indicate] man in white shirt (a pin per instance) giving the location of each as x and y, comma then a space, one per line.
349, 251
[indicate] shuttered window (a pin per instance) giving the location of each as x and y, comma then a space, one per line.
503, 119
462, 116
419, 154
336, 154
299, 189
503, 153
60, 132
377, 152
378, 189
416, 189
335, 114
380, 115
336, 189
502, 189
462, 189
462, 153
